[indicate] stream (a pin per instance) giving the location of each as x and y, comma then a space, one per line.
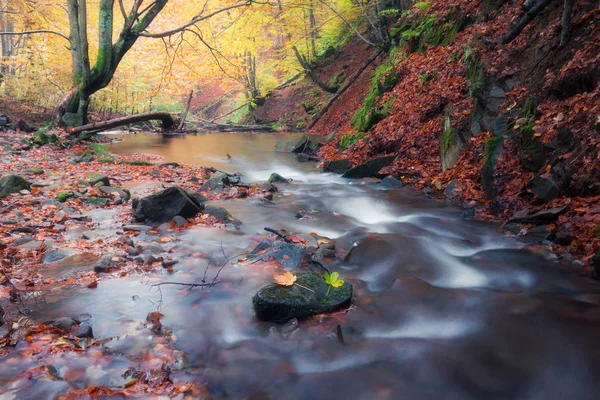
444, 308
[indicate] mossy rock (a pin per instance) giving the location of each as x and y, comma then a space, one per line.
137, 162
72, 120
12, 184
493, 147
276, 178
94, 151
63, 196
40, 138
299, 144
95, 201
309, 296
35, 171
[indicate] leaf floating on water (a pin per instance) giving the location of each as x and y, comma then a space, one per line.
285, 279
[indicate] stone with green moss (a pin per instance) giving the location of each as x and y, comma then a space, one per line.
40, 138
12, 184
95, 201
94, 151
63, 196
72, 120
276, 178
309, 296
137, 162
35, 171
493, 147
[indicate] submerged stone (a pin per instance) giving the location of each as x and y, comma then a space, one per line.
222, 215
309, 296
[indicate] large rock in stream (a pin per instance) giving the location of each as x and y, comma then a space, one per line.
12, 184
299, 144
369, 169
165, 205
309, 296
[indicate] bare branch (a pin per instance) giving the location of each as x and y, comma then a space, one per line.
194, 21
62, 35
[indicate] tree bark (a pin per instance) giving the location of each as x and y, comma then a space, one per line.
341, 91
566, 22
525, 19
309, 71
166, 119
186, 111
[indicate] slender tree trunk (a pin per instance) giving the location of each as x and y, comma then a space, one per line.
6, 42
311, 73
313, 29
566, 22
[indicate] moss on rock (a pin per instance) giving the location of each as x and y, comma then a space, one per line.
309, 296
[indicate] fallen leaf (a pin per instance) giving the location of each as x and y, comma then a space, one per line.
285, 279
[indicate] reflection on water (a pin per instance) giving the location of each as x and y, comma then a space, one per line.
444, 308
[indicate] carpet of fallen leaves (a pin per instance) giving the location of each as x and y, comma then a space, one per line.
87, 232
540, 66
71, 226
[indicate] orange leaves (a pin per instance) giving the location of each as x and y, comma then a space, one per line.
285, 279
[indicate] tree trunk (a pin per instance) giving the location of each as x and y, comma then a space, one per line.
309, 71
186, 111
88, 80
566, 22
165, 118
313, 30
6, 42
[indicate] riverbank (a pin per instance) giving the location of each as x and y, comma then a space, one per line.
505, 131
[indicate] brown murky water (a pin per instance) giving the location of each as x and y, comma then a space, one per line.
445, 308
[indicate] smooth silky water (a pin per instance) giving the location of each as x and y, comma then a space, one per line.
444, 308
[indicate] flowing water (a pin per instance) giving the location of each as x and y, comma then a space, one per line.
444, 308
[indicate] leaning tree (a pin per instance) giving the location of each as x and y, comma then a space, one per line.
89, 79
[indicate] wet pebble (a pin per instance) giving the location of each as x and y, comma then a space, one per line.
179, 220
84, 331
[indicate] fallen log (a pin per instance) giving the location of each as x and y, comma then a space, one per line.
212, 126
533, 8
167, 121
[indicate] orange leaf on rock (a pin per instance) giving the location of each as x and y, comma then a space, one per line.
285, 279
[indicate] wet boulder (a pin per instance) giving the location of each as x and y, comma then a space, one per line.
289, 255
538, 218
390, 182
336, 166
166, 204
12, 184
222, 215
545, 188
299, 144
309, 296
369, 169
218, 180
276, 178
